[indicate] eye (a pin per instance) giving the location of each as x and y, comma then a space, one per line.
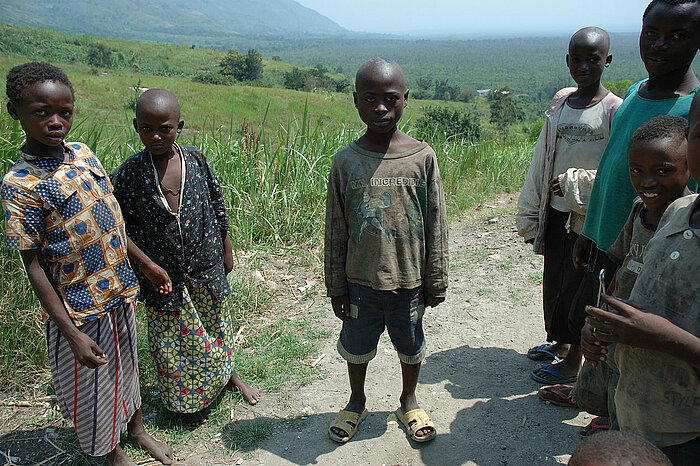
635, 171
67, 113
678, 36
392, 98
41, 113
369, 99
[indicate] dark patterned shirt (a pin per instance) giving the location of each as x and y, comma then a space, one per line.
188, 244
66, 209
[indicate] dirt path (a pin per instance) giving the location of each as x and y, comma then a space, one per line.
474, 383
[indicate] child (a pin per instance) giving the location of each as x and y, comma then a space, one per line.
657, 331
658, 171
385, 245
63, 218
668, 43
617, 449
553, 201
174, 211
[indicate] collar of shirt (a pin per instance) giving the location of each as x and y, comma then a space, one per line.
47, 160
680, 223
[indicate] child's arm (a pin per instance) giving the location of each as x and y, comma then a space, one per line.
228, 252
85, 350
575, 186
219, 206
436, 242
158, 277
335, 246
527, 218
634, 326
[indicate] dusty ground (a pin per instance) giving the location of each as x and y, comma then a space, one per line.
474, 383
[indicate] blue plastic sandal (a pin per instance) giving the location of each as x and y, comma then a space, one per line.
560, 378
537, 353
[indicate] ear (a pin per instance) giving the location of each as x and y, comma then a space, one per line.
12, 110
405, 99
608, 60
136, 125
180, 125
354, 98
567, 60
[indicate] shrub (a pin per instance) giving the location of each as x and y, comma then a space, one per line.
451, 123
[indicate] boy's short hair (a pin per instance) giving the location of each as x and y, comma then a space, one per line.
661, 127
22, 76
616, 448
653, 3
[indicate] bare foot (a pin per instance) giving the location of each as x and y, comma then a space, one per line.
158, 450
117, 457
250, 394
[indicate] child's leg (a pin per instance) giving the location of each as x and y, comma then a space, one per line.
357, 374
358, 342
141, 439
405, 326
561, 281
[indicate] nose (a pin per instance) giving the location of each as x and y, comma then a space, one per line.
648, 180
381, 108
660, 43
55, 121
157, 136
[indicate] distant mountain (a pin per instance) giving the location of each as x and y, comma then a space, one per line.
195, 21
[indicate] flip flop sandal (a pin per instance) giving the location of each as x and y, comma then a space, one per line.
542, 353
597, 424
560, 378
558, 395
415, 420
347, 421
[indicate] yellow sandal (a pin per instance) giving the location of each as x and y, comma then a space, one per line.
347, 421
415, 420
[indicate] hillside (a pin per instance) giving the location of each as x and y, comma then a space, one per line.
178, 21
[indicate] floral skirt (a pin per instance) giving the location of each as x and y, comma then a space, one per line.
192, 350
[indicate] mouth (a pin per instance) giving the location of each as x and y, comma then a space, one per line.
55, 135
656, 59
649, 196
383, 121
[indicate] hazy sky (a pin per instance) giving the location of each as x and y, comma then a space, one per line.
542, 17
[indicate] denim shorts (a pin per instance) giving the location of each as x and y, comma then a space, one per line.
399, 311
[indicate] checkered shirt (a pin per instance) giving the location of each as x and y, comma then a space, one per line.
67, 210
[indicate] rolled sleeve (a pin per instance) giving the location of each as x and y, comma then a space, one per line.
24, 217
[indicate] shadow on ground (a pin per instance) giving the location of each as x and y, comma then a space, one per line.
485, 396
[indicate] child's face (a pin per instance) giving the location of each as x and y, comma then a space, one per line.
670, 38
587, 58
694, 140
45, 112
158, 128
380, 99
658, 170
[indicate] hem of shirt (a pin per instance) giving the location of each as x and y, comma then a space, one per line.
388, 287
99, 315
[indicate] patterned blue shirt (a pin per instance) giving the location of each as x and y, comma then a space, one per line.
67, 210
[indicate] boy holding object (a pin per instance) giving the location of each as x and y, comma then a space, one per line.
553, 202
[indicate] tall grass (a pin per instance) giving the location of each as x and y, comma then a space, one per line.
275, 186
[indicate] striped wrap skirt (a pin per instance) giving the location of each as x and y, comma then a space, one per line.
99, 401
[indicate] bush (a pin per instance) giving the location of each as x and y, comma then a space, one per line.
213, 77
451, 123
247, 67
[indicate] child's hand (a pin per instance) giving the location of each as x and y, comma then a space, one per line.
432, 301
582, 249
228, 262
629, 325
158, 277
555, 187
341, 307
593, 350
86, 351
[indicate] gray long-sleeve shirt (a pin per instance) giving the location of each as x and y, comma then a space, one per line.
386, 224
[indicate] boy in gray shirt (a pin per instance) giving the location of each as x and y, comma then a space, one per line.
385, 245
